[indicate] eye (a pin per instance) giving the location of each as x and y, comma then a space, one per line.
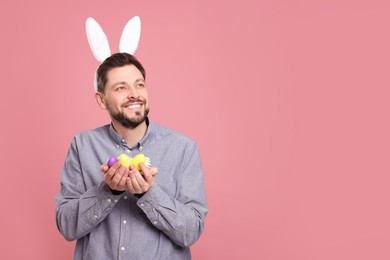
140, 85
120, 88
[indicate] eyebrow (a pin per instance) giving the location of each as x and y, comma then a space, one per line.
139, 80
119, 83
125, 83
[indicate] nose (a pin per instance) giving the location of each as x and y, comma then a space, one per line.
133, 93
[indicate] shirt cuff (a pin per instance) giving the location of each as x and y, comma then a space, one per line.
150, 201
105, 193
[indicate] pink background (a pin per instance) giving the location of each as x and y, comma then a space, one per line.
288, 100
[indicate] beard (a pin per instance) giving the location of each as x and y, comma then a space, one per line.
126, 121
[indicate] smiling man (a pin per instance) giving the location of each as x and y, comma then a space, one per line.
125, 213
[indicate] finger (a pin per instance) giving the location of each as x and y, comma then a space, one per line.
146, 168
144, 186
119, 175
129, 185
134, 182
122, 182
154, 171
113, 169
103, 168
148, 173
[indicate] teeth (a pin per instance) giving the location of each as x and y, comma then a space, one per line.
134, 106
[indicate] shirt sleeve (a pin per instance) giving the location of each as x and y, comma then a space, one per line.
79, 210
180, 218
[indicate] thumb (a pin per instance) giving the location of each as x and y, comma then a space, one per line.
103, 168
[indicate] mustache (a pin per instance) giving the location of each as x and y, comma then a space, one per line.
133, 100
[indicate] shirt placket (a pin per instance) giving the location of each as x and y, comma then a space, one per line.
124, 236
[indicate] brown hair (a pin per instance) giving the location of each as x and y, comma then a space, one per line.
114, 61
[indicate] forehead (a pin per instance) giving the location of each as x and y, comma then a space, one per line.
128, 73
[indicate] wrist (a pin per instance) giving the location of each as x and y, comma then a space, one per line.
116, 192
139, 195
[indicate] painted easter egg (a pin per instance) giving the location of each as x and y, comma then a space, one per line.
125, 160
139, 158
111, 161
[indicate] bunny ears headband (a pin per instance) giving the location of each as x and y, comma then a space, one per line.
99, 43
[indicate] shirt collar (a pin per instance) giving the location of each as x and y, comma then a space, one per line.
121, 142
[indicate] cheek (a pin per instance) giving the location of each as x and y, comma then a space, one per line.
116, 100
145, 95
111, 104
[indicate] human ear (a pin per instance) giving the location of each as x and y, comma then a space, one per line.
100, 100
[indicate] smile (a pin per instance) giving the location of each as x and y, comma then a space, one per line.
134, 106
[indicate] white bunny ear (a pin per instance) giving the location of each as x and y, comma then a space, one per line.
95, 84
97, 40
130, 36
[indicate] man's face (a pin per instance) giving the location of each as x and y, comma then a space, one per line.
126, 97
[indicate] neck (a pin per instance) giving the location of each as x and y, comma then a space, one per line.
131, 135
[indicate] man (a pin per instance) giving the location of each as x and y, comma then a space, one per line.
117, 212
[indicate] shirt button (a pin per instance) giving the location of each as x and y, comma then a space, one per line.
141, 204
95, 216
155, 222
115, 201
124, 222
128, 151
123, 248
117, 146
108, 200
125, 197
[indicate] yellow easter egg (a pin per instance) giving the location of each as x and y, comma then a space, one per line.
125, 160
139, 158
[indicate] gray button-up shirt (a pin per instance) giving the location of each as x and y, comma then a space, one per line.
162, 224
